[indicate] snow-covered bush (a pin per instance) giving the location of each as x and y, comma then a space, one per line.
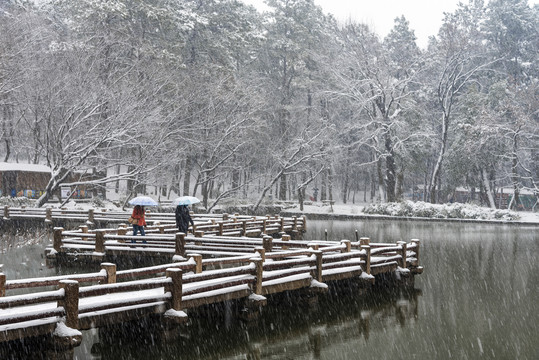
445, 211
17, 201
98, 202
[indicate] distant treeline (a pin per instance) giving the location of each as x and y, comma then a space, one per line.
216, 99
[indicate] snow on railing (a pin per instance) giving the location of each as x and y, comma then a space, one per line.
90, 302
20, 309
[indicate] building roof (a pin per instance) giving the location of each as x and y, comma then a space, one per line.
4, 166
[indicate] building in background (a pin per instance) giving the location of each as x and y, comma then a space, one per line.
28, 180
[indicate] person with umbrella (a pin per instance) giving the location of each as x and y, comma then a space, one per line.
139, 220
183, 218
138, 225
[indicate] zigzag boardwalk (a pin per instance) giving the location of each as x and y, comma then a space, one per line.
206, 269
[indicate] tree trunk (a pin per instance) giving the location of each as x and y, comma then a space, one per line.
400, 181
515, 200
282, 188
345, 187
330, 184
301, 197
488, 189
204, 191
57, 178
390, 170
381, 197
246, 184
365, 188
187, 178
301, 193
196, 185
438, 166
323, 187
373, 183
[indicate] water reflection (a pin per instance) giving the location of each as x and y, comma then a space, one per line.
480, 288
285, 331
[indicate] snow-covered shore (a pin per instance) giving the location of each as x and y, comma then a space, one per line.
356, 211
323, 210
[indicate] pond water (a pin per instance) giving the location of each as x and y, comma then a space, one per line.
477, 298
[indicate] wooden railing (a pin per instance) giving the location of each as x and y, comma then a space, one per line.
187, 284
215, 224
118, 241
379, 257
96, 305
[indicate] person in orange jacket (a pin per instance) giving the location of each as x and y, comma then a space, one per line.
138, 214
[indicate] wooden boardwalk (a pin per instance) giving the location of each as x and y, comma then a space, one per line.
202, 270
217, 224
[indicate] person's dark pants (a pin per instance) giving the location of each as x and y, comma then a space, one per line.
136, 229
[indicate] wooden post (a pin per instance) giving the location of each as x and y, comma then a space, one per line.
364, 241
263, 226
220, 229
326, 234
198, 261
199, 233
110, 268
161, 229
225, 217
267, 243
314, 246
403, 254
83, 229
259, 270
285, 238
416, 250
261, 252
180, 244
348, 246
282, 224
367, 249
357, 236
90, 216
304, 223
48, 215
100, 241
121, 231
2, 284
70, 302
175, 288
57, 239
318, 270
6, 212
295, 224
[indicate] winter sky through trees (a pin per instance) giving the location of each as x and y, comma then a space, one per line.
425, 16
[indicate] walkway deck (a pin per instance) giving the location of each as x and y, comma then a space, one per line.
205, 269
